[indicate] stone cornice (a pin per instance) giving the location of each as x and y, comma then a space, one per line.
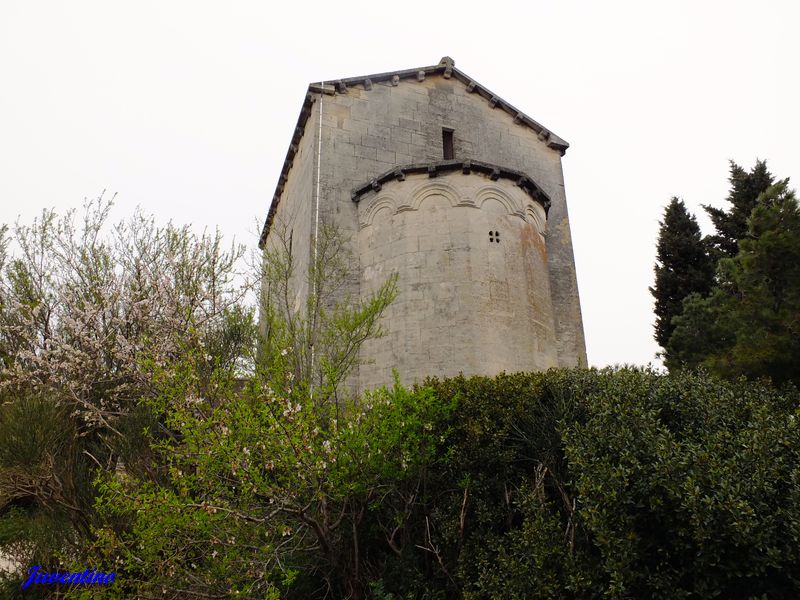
432, 169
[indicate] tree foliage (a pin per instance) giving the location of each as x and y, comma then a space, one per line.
265, 497
124, 338
684, 267
129, 439
87, 311
744, 321
311, 332
578, 484
750, 323
731, 224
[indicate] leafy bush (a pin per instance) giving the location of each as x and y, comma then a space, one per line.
576, 484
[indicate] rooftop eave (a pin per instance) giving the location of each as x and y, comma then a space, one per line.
294, 145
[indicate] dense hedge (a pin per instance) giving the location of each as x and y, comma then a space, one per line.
566, 484
620, 484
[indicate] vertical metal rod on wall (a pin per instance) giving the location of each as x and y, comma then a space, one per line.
316, 231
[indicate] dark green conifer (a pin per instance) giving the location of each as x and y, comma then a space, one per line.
683, 267
731, 224
750, 324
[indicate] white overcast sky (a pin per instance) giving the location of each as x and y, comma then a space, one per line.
186, 108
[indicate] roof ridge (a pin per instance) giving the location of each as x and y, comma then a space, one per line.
447, 68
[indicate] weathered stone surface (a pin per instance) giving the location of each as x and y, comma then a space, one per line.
466, 303
488, 300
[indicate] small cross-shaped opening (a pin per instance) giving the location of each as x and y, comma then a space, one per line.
494, 236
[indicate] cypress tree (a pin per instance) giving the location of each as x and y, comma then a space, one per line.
731, 225
750, 323
683, 267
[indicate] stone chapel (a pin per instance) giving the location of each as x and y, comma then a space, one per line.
434, 177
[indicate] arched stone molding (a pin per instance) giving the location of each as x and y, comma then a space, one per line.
495, 192
535, 214
366, 214
459, 190
436, 188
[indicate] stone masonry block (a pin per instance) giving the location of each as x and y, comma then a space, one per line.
387, 156
366, 152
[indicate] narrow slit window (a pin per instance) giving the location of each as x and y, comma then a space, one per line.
447, 144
